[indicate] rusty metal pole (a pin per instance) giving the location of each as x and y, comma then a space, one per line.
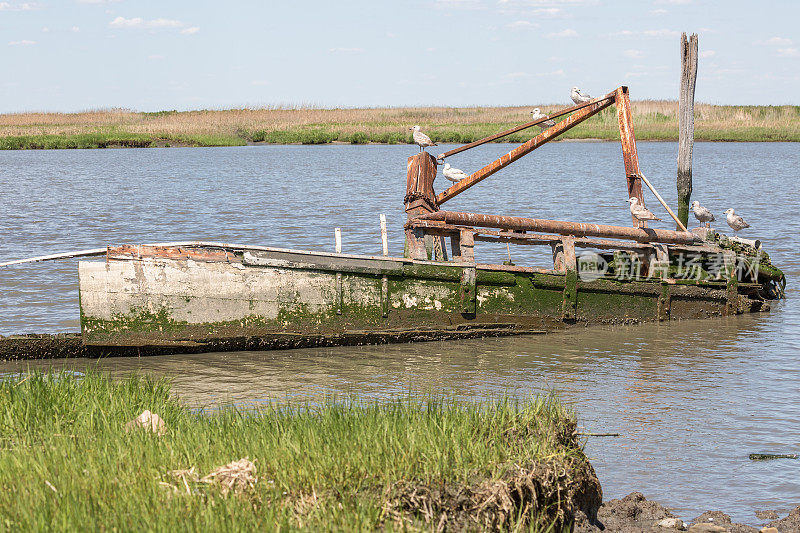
561, 227
420, 199
686, 124
629, 155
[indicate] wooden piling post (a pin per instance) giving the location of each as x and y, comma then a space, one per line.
686, 124
420, 199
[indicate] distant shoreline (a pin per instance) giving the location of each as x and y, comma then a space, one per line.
653, 121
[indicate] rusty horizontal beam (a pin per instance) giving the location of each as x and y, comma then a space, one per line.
525, 148
527, 125
577, 229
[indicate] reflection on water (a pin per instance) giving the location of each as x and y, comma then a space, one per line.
691, 399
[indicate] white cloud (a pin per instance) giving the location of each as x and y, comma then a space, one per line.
707, 53
775, 41
155, 57
543, 2
24, 42
674, 2
646, 33
522, 25
555, 74
659, 11
75, 29
96, 1
635, 54
26, 6
344, 50
517, 76
547, 11
143, 24
465, 4
564, 33
788, 52
138, 22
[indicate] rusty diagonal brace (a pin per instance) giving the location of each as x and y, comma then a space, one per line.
565, 111
585, 111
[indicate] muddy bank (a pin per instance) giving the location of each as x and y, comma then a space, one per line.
635, 514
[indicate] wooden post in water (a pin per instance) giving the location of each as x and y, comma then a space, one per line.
686, 124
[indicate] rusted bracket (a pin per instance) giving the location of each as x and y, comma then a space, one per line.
469, 291
570, 303
339, 293
385, 295
658, 265
466, 245
732, 283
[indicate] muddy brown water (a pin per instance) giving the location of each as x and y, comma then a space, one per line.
691, 399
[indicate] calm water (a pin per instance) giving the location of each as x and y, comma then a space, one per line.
691, 399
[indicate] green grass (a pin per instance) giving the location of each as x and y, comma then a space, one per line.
113, 140
653, 120
67, 463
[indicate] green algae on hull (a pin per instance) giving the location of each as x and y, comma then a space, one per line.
327, 297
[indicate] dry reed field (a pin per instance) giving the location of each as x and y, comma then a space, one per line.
653, 120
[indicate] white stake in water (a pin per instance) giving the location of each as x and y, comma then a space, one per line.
384, 238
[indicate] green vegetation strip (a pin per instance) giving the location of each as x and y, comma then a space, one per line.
67, 462
653, 120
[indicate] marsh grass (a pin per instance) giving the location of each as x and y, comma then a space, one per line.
67, 463
653, 120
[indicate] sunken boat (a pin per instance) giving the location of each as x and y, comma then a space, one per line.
205, 296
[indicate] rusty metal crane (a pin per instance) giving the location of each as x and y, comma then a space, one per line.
422, 204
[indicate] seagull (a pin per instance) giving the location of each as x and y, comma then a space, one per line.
453, 174
702, 214
536, 115
640, 212
421, 139
578, 97
735, 221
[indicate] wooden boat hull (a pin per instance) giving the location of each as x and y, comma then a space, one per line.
281, 298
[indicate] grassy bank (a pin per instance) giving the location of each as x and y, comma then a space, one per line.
66, 462
653, 120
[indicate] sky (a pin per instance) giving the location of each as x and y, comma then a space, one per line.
74, 55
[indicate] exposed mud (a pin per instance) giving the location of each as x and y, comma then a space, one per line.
549, 493
635, 514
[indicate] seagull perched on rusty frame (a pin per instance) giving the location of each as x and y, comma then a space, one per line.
578, 97
421, 139
536, 114
454, 174
640, 212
